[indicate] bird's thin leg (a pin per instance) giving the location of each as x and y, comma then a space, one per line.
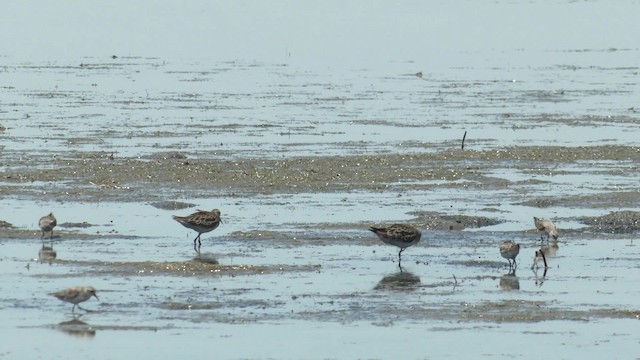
515, 265
400, 257
196, 248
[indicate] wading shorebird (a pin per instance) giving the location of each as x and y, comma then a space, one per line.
509, 250
546, 226
47, 223
400, 235
76, 295
202, 222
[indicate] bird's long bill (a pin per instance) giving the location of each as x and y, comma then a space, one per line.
96, 296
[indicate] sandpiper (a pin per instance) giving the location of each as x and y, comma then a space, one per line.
547, 226
76, 295
509, 250
201, 221
47, 223
400, 235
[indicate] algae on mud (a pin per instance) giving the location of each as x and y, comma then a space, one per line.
617, 222
94, 176
174, 268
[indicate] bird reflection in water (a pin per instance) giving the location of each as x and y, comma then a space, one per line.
46, 254
400, 281
540, 279
77, 328
509, 281
206, 258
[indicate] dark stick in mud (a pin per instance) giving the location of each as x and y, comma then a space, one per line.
544, 258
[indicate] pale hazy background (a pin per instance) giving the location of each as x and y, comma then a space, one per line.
319, 33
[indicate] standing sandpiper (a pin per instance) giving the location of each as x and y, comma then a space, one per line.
47, 223
546, 226
201, 221
76, 295
509, 250
400, 235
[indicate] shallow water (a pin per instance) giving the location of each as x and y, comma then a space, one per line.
302, 144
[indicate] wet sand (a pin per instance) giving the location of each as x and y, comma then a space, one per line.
93, 176
292, 258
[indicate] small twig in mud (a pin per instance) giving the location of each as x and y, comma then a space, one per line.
544, 258
464, 137
539, 254
455, 283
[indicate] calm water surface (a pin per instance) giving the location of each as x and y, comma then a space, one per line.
279, 80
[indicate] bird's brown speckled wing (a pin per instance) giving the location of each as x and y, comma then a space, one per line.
204, 218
